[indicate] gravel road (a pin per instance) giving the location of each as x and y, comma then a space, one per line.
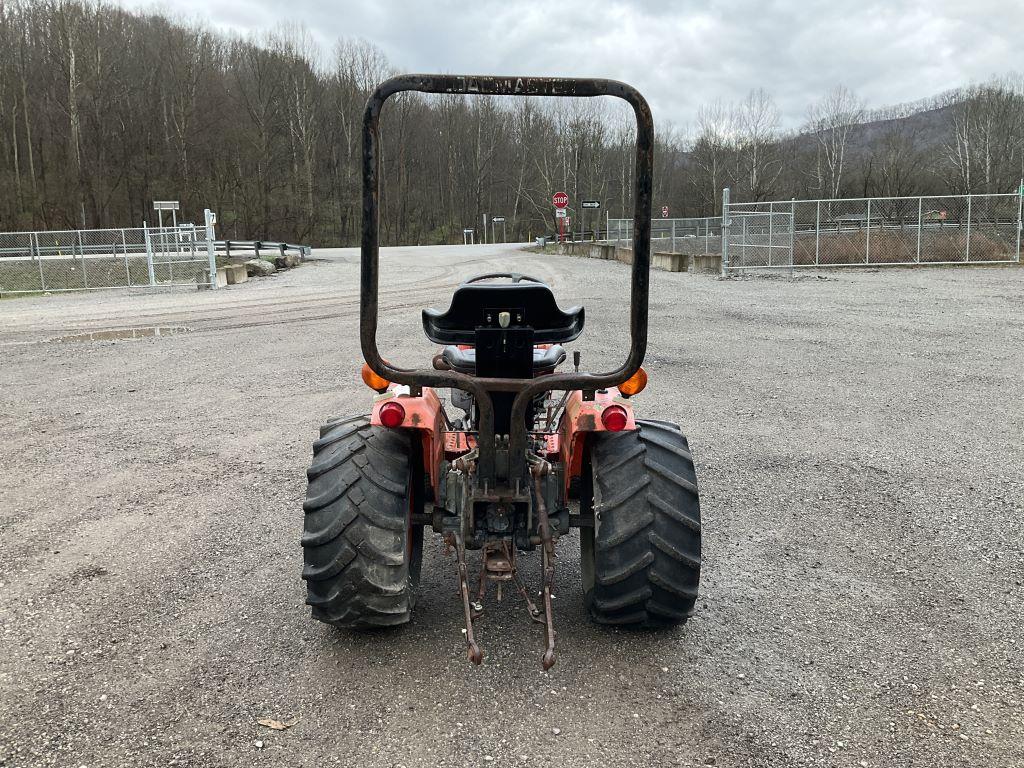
858, 439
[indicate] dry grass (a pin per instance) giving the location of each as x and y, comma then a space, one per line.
898, 247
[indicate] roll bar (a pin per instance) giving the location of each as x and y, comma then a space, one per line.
526, 389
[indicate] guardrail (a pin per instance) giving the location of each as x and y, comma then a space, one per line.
258, 246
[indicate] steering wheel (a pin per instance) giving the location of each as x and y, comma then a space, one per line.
515, 277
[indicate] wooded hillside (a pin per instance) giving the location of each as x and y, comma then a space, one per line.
103, 110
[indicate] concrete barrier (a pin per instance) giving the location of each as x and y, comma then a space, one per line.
669, 262
222, 278
235, 273
706, 264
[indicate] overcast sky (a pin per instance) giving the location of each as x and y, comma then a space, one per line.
680, 54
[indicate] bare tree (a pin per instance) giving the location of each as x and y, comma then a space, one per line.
830, 121
895, 166
986, 153
757, 142
712, 154
303, 91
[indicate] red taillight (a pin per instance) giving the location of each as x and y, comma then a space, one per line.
392, 414
614, 418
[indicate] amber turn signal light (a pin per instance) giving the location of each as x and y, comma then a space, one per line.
635, 384
373, 381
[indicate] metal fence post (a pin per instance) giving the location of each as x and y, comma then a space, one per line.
209, 218
867, 236
792, 229
124, 251
817, 232
1020, 216
725, 231
81, 254
921, 220
39, 258
149, 254
967, 255
771, 230
673, 236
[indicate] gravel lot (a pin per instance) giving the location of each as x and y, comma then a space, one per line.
858, 443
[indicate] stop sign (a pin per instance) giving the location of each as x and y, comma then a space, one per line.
560, 199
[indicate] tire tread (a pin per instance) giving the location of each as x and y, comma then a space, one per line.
354, 531
648, 546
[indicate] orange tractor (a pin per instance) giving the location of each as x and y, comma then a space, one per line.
536, 451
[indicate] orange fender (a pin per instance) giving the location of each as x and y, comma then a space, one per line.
423, 414
583, 417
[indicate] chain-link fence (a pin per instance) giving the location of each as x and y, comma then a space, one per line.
950, 229
73, 260
693, 237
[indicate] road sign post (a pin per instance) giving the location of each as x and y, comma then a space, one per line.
166, 205
593, 205
498, 220
561, 201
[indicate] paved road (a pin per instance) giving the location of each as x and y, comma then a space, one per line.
858, 443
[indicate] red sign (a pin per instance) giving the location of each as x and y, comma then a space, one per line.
664, 211
560, 199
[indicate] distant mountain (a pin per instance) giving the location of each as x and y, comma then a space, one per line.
929, 129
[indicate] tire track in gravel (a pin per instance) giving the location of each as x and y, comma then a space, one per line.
275, 310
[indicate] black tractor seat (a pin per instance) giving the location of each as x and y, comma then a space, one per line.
545, 360
528, 301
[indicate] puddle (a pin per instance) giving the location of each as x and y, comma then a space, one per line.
126, 333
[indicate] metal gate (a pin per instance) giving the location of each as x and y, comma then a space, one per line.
756, 236
178, 255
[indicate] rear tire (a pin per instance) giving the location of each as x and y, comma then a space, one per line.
361, 553
641, 561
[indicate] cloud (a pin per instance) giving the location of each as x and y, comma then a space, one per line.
680, 53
